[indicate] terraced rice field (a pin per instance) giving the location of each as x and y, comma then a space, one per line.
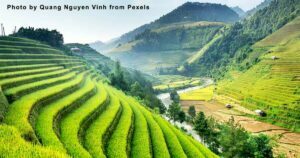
54, 105
272, 85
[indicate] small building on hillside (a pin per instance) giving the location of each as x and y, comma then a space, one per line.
260, 113
274, 57
75, 49
228, 106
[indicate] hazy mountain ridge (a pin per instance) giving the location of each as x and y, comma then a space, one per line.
188, 12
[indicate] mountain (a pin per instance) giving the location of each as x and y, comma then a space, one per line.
234, 45
98, 45
188, 12
262, 5
171, 39
239, 11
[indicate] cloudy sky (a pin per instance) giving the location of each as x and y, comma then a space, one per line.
92, 25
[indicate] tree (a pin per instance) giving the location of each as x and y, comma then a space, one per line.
174, 110
117, 78
51, 37
192, 111
174, 96
233, 140
201, 126
181, 116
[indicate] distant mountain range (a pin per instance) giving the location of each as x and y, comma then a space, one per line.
239, 11
188, 12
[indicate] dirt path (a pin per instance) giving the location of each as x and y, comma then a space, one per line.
288, 142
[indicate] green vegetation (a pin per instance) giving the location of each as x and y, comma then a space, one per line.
175, 149
270, 85
140, 138
52, 38
232, 139
234, 45
13, 145
97, 133
67, 109
204, 94
171, 82
44, 124
119, 138
70, 125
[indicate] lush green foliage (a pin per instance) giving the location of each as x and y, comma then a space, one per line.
53, 37
232, 139
13, 145
119, 138
96, 133
159, 145
67, 110
23, 106
174, 146
44, 125
70, 125
141, 138
241, 35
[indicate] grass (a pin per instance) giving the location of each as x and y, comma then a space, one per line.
95, 134
12, 82
159, 145
167, 82
22, 107
206, 152
13, 145
14, 68
140, 144
29, 72
32, 56
188, 147
119, 137
71, 123
204, 94
174, 146
27, 88
44, 124
9, 62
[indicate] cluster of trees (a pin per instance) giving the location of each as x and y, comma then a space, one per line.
136, 85
234, 46
229, 139
174, 39
50, 37
175, 111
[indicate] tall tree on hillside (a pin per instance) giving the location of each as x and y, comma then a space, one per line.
174, 110
192, 111
174, 96
117, 78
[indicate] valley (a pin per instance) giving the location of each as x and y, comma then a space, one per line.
200, 80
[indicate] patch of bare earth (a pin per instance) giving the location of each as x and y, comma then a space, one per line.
288, 142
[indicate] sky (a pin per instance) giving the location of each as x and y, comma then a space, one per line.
92, 25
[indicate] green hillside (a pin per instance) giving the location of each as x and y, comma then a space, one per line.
57, 105
273, 84
234, 45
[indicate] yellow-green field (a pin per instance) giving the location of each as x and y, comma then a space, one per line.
203, 94
168, 82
